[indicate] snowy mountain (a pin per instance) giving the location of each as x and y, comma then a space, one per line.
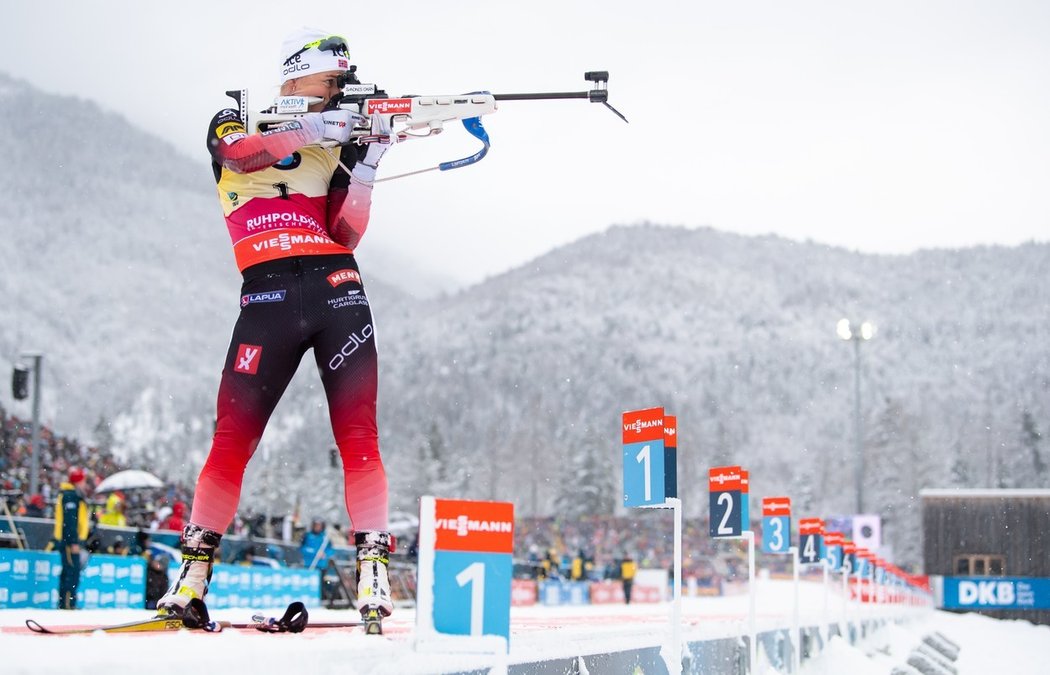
117, 266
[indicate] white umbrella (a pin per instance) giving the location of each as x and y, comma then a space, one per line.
129, 480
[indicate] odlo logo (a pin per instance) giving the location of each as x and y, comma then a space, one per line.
248, 357
350, 347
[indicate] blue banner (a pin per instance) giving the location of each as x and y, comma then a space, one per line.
112, 582
996, 593
564, 592
260, 587
28, 579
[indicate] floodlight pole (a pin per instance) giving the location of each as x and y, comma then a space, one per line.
34, 466
858, 431
856, 334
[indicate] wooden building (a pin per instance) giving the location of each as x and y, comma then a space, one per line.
989, 534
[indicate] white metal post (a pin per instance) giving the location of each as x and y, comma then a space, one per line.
796, 661
845, 603
752, 628
827, 616
676, 602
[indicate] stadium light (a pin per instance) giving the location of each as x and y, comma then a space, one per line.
34, 466
846, 330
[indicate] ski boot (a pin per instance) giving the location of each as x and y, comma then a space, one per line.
198, 553
373, 583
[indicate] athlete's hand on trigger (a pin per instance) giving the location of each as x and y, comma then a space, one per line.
373, 152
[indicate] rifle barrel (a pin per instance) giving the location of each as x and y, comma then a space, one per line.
541, 97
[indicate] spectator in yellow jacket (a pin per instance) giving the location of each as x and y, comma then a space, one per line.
114, 513
628, 568
71, 530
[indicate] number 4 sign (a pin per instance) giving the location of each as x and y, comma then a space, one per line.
810, 535
465, 567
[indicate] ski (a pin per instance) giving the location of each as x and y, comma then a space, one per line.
265, 624
295, 620
153, 624
159, 624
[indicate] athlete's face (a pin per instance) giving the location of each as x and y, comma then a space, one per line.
324, 85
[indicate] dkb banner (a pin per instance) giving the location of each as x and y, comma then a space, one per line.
996, 593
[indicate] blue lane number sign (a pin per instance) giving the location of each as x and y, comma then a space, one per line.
833, 550
466, 564
776, 524
644, 480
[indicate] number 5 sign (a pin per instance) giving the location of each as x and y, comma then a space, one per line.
726, 490
465, 567
644, 482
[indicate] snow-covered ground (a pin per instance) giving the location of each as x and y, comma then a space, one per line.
538, 633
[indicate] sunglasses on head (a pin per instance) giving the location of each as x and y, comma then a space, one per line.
332, 43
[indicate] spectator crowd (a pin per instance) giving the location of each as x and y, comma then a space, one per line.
591, 547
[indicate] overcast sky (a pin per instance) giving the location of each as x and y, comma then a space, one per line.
880, 126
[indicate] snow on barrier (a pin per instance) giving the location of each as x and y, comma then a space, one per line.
725, 656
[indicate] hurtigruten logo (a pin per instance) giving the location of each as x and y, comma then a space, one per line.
463, 525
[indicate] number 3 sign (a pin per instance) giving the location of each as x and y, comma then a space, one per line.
776, 525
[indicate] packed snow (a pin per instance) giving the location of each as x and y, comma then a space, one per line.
537, 633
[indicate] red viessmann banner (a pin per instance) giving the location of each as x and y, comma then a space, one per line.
462, 525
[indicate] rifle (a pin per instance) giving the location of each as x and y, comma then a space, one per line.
416, 116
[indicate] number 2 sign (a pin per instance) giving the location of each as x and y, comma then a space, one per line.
725, 498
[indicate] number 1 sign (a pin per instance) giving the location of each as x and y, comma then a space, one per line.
465, 567
644, 483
